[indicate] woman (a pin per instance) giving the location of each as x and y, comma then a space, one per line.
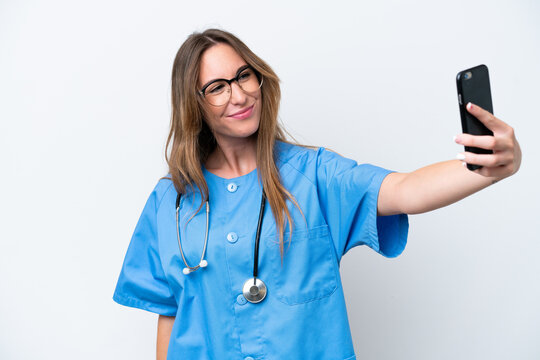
232, 279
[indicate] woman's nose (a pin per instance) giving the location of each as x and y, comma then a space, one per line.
238, 96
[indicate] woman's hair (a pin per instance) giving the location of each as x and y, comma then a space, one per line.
192, 140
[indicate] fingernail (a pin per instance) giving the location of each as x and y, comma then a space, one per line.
457, 139
460, 156
463, 163
469, 106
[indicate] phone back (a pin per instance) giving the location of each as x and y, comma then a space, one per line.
473, 86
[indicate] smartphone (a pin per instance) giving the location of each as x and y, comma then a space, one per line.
473, 86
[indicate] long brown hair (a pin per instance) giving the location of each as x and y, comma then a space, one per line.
192, 140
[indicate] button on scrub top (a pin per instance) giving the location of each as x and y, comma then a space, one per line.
304, 314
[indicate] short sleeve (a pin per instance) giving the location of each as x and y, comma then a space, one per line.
142, 283
348, 194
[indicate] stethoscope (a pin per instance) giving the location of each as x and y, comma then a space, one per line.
254, 289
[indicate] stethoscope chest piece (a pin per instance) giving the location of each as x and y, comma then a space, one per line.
254, 290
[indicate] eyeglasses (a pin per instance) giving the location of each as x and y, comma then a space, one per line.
218, 92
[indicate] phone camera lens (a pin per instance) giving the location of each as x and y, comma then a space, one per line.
468, 75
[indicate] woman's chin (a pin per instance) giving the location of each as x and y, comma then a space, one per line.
246, 131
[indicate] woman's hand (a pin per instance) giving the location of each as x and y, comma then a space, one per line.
506, 157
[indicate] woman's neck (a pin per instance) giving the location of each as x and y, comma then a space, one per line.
233, 158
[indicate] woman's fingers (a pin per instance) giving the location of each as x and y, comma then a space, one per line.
487, 142
498, 166
487, 118
488, 160
497, 172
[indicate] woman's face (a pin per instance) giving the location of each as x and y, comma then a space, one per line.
239, 117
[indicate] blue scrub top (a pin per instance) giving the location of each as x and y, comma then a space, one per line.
304, 314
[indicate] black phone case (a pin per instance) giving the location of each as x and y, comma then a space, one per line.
473, 86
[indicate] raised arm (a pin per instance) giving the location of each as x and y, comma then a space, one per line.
446, 182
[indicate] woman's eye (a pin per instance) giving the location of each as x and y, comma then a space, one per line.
244, 76
216, 89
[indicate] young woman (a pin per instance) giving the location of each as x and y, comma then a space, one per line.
238, 247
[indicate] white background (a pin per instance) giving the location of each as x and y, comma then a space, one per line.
84, 114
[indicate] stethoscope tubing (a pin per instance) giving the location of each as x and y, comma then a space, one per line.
202, 262
253, 292
258, 237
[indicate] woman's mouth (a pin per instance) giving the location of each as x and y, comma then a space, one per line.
242, 114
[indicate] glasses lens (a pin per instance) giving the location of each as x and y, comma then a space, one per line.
218, 93
248, 80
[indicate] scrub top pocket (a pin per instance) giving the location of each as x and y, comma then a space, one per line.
309, 270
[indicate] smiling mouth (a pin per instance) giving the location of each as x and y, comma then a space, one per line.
242, 114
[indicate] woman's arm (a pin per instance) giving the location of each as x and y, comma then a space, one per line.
165, 324
444, 183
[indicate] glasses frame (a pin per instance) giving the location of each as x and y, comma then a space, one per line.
230, 81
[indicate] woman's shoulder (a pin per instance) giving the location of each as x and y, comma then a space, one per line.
311, 162
299, 156
163, 186
292, 152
